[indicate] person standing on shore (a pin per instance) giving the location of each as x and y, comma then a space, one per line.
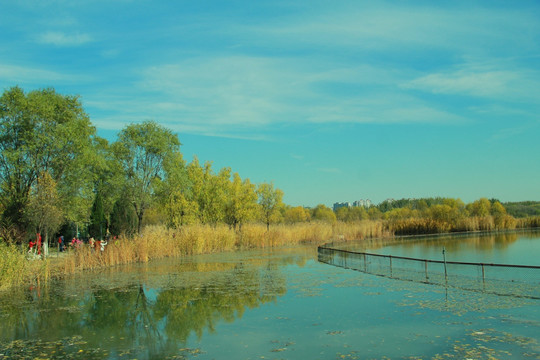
31, 245
61, 243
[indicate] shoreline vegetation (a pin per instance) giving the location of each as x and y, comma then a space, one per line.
158, 242
59, 180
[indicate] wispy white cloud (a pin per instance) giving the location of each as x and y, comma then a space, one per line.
15, 74
64, 39
228, 93
493, 83
505, 81
404, 28
506, 133
344, 63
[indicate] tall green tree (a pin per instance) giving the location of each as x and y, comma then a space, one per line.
208, 191
241, 203
216, 194
142, 150
43, 131
270, 200
108, 174
175, 194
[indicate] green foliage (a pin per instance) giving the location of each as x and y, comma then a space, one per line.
296, 214
324, 214
481, 207
109, 176
413, 204
523, 209
43, 131
123, 217
44, 211
207, 191
352, 214
98, 224
270, 201
180, 210
374, 213
241, 202
54, 169
143, 150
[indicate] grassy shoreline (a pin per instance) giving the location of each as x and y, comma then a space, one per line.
157, 242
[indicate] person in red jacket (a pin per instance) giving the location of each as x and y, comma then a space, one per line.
61, 243
31, 245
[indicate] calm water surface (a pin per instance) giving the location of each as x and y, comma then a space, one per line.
519, 248
280, 304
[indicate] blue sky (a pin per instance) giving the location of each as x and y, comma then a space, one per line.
330, 100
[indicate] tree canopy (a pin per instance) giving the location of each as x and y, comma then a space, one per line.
55, 172
43, 131
143, 150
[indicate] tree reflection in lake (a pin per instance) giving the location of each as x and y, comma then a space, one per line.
150, 319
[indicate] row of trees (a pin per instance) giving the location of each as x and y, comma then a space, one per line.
56, 172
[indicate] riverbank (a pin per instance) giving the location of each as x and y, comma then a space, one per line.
156, 242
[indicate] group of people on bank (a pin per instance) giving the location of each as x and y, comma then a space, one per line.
35, 247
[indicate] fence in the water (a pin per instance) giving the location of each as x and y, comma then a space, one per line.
511, 280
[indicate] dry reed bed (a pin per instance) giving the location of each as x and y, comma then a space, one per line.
158, 242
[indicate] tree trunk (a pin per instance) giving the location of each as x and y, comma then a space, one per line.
139, 225
46, 245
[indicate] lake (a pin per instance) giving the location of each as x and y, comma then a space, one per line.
276, 304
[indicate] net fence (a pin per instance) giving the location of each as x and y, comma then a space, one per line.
508, 280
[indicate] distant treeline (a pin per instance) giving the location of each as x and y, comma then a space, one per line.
438, 215
523, 208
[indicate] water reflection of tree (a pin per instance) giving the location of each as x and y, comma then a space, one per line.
196, 309
451, 242
150, 323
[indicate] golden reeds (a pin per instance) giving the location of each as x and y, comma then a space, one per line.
12, 265
157, 242
17, 267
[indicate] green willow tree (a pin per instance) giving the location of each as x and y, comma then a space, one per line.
43, 131
142, 150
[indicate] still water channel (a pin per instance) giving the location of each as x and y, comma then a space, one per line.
275, 304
